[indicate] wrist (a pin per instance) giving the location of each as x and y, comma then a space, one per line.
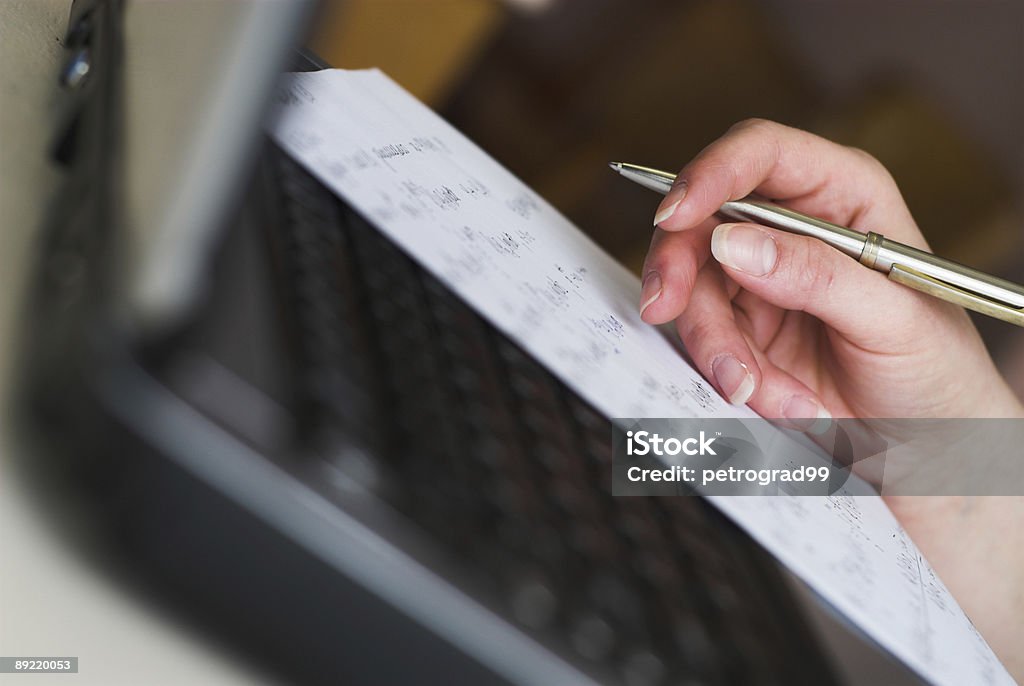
965, 538
999, 402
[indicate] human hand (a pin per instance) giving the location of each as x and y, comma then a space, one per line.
801, 332
789, 325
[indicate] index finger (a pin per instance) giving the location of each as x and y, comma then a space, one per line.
815, 175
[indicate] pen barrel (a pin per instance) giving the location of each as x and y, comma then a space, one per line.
839, 237
950, 273
879, 253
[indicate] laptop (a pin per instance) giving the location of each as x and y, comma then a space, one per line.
304, 443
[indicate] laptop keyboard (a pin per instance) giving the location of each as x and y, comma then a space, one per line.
509, 471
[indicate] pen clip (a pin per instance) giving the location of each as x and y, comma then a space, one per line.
972, 301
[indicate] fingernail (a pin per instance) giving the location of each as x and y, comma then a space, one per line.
666, 212
807, 414
733, 378
671, 202
745, 248
650, 291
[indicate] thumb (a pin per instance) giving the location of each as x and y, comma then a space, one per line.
801, 273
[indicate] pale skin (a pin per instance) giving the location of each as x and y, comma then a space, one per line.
800, 332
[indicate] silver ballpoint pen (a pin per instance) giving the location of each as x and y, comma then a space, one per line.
911, 267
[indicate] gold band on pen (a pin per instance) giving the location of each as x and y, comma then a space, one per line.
872, 244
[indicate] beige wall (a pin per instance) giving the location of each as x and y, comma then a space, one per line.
423, 44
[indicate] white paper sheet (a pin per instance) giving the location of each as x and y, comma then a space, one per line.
538, 279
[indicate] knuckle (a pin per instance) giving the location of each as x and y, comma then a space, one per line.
810, 272
652, 260
870, 162
754, 124
863, 155
697, 331
659, 259
659, 253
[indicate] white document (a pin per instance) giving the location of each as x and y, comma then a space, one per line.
539, 280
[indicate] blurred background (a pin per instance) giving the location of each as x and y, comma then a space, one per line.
555, 88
